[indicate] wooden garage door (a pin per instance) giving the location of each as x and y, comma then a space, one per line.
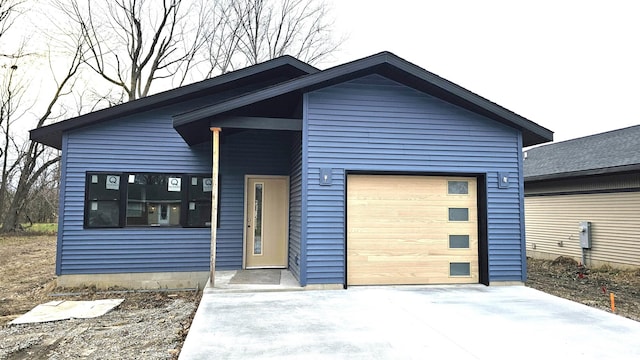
411, 230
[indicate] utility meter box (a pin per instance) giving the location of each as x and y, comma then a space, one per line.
585, 234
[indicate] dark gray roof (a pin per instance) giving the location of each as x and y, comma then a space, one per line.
263, 74
604, 153
283, 81
392, 67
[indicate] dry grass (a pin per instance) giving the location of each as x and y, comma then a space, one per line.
27, 270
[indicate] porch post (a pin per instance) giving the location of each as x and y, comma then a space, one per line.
214, 200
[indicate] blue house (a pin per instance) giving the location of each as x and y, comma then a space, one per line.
371, 172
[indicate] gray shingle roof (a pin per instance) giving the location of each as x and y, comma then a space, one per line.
608, 152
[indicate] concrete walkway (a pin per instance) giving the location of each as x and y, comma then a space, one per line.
223, 282
434, 322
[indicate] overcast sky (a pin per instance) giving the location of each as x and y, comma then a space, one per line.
571, 66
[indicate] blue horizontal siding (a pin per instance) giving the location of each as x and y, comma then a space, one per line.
295, 205
253, 152
147, 143
375, 124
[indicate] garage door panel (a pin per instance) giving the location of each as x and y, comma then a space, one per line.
401, 257
430, 224
417, 276
418, 246
415, 273
398, 230
436, 204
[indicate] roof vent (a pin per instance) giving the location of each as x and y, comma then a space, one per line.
526, 154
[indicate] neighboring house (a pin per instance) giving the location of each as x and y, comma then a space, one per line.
592, 179
372, 172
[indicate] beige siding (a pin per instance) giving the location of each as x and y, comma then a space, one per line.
552, 226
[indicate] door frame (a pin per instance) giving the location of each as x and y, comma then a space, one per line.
247, 177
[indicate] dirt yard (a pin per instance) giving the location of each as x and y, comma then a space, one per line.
153, 325
564, 278
147, 325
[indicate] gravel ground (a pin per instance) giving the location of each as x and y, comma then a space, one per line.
153, 325
152, 333
147, 325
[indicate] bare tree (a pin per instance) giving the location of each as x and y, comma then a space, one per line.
9, 9
246, 32
269, 29
131, 43
10, 95
42, 206
34, 159
222, 39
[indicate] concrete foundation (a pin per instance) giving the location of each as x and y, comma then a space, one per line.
164, 280
506, 283
324, 287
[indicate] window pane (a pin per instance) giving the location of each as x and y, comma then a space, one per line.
154, 199
102, 208
257, 221
458, 214
458, 187
459, 269
103, 213
199, 213
459, 241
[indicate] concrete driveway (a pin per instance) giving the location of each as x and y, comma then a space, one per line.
431, 322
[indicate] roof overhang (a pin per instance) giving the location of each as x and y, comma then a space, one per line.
274, 89
387, 65
583, 173
267, 73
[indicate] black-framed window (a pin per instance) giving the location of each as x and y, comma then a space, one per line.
102, 200
147, 199
199, 201
154, 199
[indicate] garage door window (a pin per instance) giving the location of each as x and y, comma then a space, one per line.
458, 214
458, 187
459, 269
458, 241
